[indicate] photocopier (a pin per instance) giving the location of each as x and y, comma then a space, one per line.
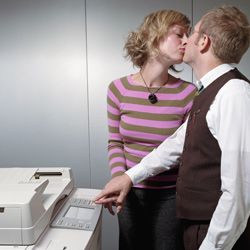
40, 209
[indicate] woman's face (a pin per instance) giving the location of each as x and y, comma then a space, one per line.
172, 45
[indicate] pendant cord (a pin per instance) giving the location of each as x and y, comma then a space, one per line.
151, 92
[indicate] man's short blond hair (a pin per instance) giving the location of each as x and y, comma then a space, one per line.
229, 31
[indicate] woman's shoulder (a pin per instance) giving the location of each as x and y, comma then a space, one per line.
117, 83
187, 83
183, 83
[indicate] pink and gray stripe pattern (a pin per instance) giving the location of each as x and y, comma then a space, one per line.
136, 126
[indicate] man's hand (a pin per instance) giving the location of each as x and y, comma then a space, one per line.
114, 193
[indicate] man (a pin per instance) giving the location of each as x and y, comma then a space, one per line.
213, 146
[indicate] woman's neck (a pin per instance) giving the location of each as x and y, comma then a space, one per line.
155, 75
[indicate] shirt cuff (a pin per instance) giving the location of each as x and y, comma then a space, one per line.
207, 245
137, 174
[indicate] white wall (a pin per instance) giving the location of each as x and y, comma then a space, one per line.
57, 58
43, 94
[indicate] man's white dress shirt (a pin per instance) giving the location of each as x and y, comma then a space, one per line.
228, 120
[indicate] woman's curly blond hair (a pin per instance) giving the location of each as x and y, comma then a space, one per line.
143, 43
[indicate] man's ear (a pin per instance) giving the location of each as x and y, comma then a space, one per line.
204, 43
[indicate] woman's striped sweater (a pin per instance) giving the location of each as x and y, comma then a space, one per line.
136, 126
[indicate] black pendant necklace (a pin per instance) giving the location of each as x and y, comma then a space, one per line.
152, 97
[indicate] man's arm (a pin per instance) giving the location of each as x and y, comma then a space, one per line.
159, 160
230, 123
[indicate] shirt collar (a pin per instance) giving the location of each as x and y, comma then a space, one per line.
213, 74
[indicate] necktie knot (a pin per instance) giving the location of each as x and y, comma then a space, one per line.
200, 89
199, 86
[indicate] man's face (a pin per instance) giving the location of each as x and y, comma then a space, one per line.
192, 51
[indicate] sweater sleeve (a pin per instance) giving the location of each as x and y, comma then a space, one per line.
116, 156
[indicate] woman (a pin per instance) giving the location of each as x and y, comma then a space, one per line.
143, 110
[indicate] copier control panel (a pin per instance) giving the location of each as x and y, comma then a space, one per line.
78, 213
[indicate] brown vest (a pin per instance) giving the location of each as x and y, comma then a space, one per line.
198, 183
